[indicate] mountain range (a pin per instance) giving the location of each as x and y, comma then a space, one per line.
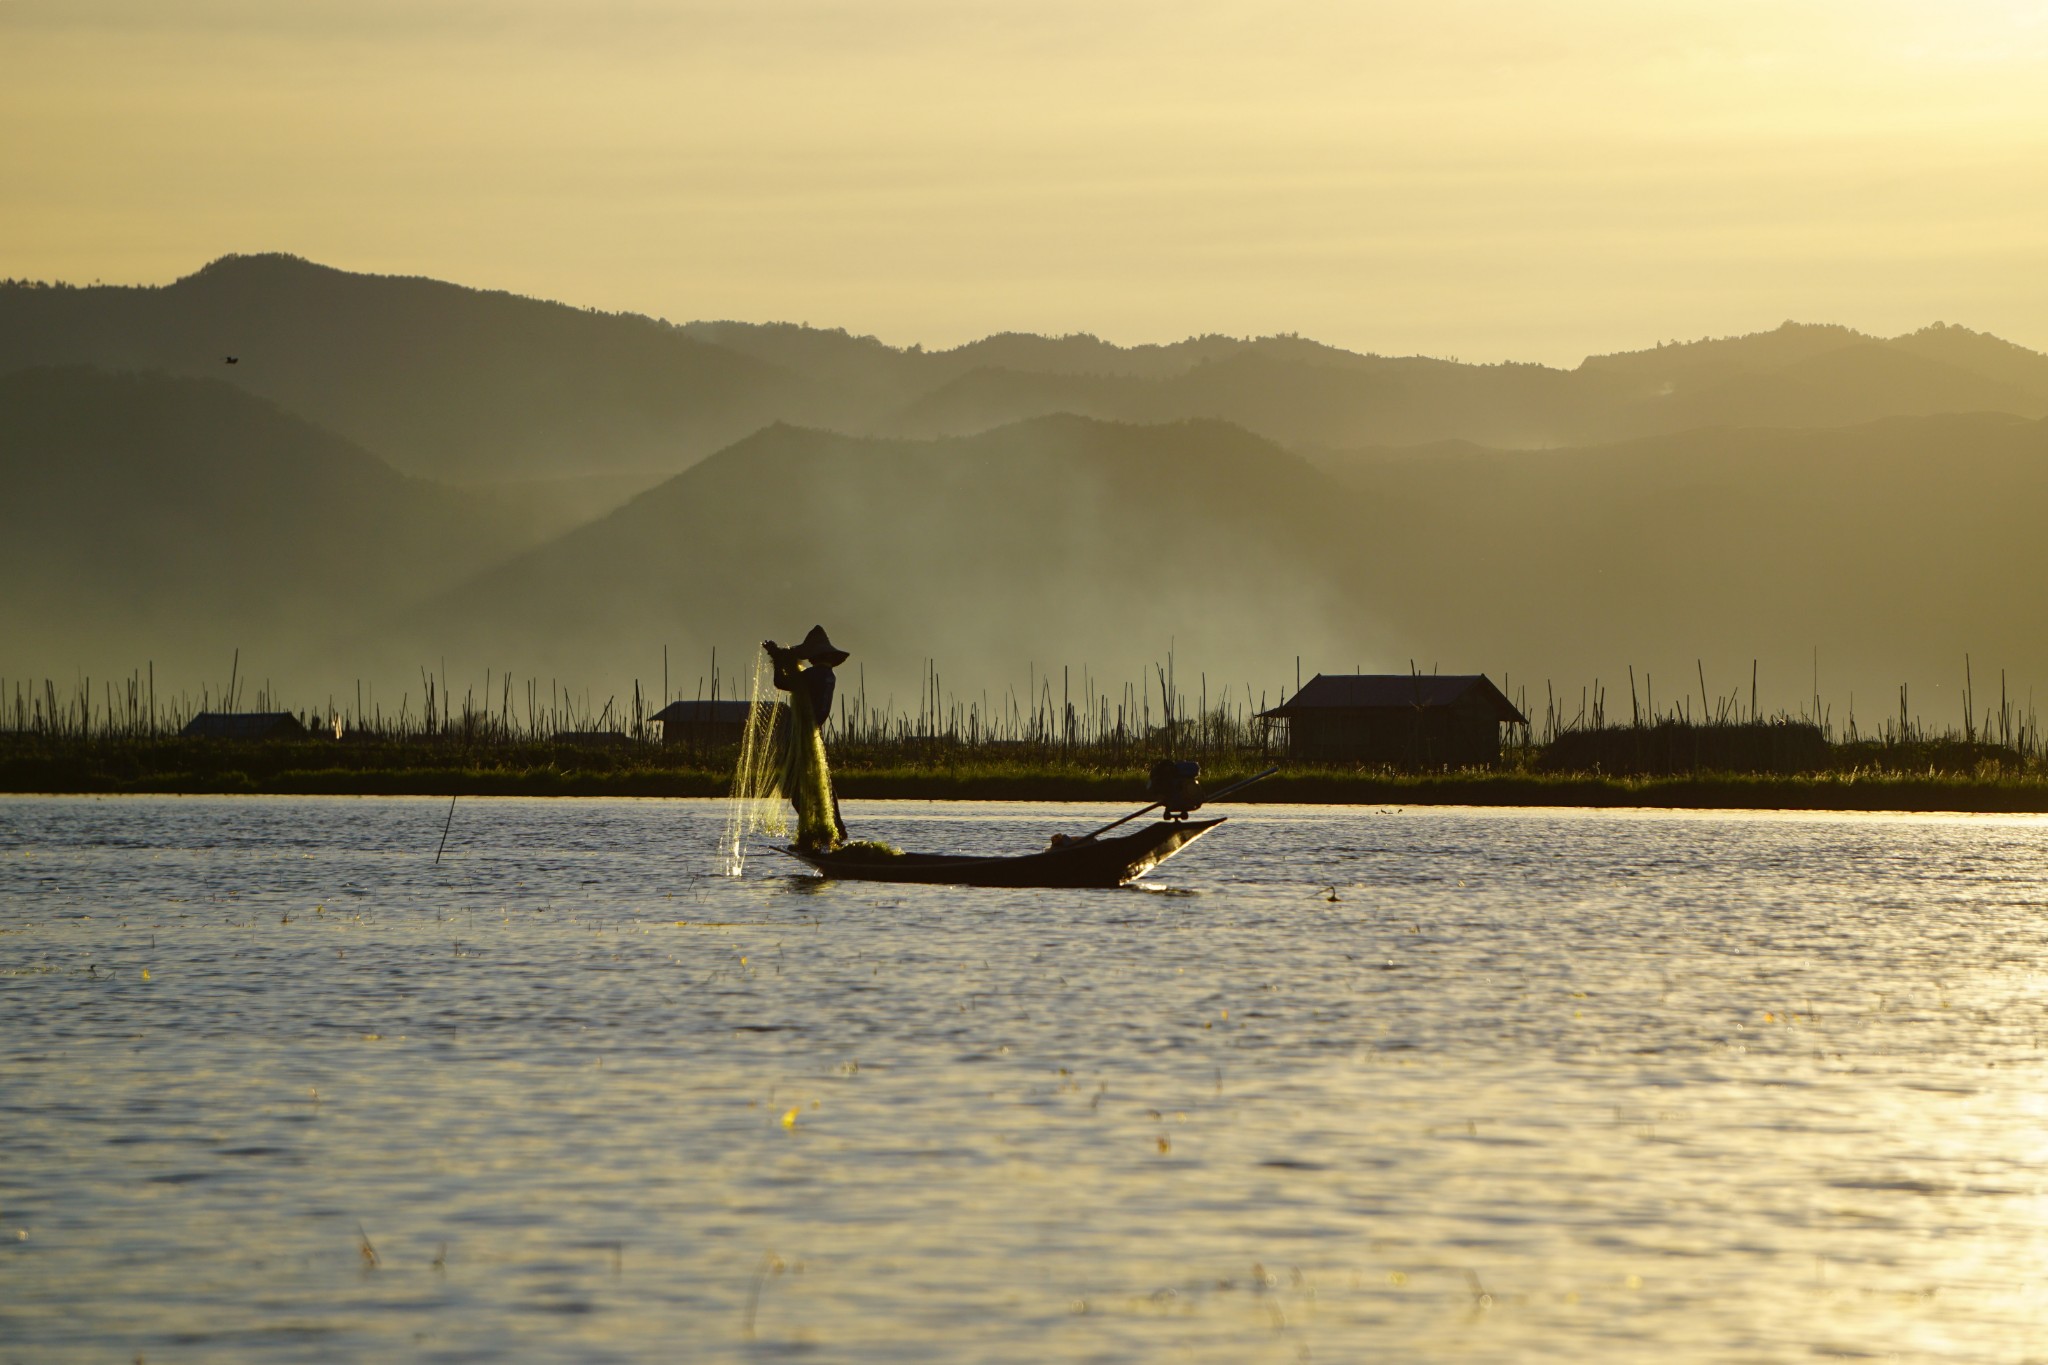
395, 471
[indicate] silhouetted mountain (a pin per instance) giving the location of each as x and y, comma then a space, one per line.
171, 519
1059, 541
1822, 376
1014, 501
464, 384
1308, 404
1893, 548
1313, 399
437, 379
1980, 353
1831, 349
148, 517
839, 355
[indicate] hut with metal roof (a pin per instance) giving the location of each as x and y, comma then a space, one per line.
244, 725
703, 724
1399, 719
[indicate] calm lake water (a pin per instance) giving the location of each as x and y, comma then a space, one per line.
1348, 1083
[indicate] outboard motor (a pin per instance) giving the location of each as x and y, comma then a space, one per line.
1174, 785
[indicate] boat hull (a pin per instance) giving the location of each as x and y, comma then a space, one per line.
1091, 863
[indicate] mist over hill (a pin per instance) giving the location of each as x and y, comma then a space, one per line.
1886, 552
1056, 542
177, 520
398, 471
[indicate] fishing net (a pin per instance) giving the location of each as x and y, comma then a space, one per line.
756, 804
806, 780
779, 762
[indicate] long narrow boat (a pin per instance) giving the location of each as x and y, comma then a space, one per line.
1082, 863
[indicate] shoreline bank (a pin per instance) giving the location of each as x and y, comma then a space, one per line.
226, 772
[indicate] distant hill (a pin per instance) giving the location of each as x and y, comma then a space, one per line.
1305, 403
148, 517
1016, 502
1893, 548
476, 386
1057, 541
439, 380
152, 517
1315, 399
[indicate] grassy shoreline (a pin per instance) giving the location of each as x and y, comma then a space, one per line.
176, 766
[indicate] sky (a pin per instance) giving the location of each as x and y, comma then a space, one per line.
1471, 178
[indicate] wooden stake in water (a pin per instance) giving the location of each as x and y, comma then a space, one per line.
445, 828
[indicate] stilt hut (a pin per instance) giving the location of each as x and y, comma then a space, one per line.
1398, 719
703, 724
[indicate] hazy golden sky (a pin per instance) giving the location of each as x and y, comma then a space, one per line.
1462, 177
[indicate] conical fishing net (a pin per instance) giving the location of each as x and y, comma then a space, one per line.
806, 780
756, 804
779, 762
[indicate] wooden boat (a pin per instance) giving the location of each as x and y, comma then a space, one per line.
1094, 862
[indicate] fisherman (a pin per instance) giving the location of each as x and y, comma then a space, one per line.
1176, 785
805, 672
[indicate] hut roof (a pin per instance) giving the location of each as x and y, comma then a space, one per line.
704, 713
1396, 691
244, 725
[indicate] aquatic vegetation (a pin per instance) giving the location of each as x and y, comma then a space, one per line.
868, 851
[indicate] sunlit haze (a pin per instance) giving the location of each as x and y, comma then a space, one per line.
1482, 180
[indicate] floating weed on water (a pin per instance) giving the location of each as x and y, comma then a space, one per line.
369, 1253
441, 1260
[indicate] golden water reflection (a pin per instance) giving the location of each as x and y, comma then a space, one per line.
1537, 1085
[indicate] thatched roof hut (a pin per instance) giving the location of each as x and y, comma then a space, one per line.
703, 724
1400, 719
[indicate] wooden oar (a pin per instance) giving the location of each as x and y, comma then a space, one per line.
1217, 796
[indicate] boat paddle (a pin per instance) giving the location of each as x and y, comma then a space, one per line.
1218, 795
